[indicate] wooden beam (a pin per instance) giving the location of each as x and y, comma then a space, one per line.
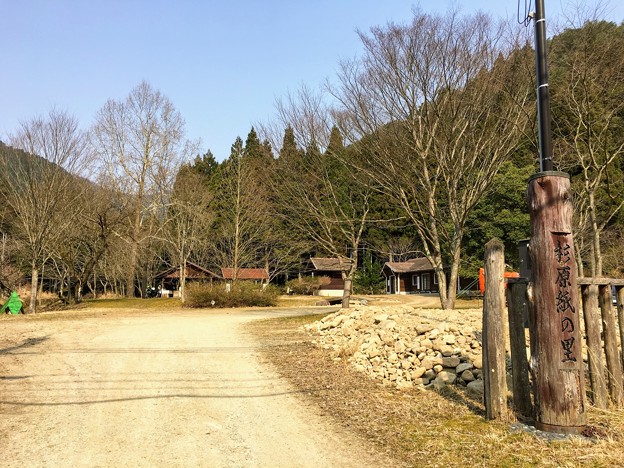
517, 306
614, 364
594, 347
619, 296
494, 371
601, 281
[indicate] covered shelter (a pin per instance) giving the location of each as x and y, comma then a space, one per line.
257, 275
332, 268
169, 280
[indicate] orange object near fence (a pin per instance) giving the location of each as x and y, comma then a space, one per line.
507, 274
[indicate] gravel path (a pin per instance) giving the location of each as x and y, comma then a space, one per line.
178, 389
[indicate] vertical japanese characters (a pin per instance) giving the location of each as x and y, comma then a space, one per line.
565, 302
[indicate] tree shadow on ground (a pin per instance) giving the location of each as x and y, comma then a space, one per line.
25, 344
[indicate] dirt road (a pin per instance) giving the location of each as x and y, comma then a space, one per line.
158, 389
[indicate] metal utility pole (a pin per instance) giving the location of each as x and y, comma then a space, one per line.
557, 362
543, 92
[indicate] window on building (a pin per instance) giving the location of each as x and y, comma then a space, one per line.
416, 281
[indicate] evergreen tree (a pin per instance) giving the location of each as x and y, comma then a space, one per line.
205, 165
289, 150
336, 145
253, 147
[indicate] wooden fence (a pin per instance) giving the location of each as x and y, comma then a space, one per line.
600, 335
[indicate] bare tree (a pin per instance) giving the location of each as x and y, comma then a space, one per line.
140, 143
241, 207
39, 184
435, 107
321, 201
588, 103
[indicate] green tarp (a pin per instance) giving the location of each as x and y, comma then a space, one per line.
14, 304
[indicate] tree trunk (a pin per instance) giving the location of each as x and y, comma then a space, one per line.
596, 250
130, 273
346, 295
32, 308
183, 282
451, 295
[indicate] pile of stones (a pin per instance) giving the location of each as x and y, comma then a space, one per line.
404, 347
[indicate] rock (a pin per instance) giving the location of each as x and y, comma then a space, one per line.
405, 364
418, 372
438, 368
451, 361
443, 379
478, 362
463, 367
446, 350
467, 376
321, 303
436, 360
433, 334
388, 325
399, 347
337, 321
380, 318
430, 374
420, 381
373, 351
423, 328
476, 387
428, 344
427, 363
449, 339
392, 357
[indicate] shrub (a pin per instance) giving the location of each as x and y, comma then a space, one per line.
369, 279
240, 295
307, 285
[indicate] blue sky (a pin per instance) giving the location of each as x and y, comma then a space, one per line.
222, 63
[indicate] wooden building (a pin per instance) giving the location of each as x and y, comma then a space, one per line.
412, 277
333, 269
169, 280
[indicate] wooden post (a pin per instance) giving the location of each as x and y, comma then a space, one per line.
517, 310
614, 365
594, 346
619, 296
494, 372
558, 362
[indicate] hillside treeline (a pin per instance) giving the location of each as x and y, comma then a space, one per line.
422, 146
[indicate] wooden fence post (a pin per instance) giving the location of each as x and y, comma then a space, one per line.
594, 346
517, 307
494, 372
614, 364
619, 296
560, 381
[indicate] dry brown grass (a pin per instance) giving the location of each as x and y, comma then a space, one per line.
421, 427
